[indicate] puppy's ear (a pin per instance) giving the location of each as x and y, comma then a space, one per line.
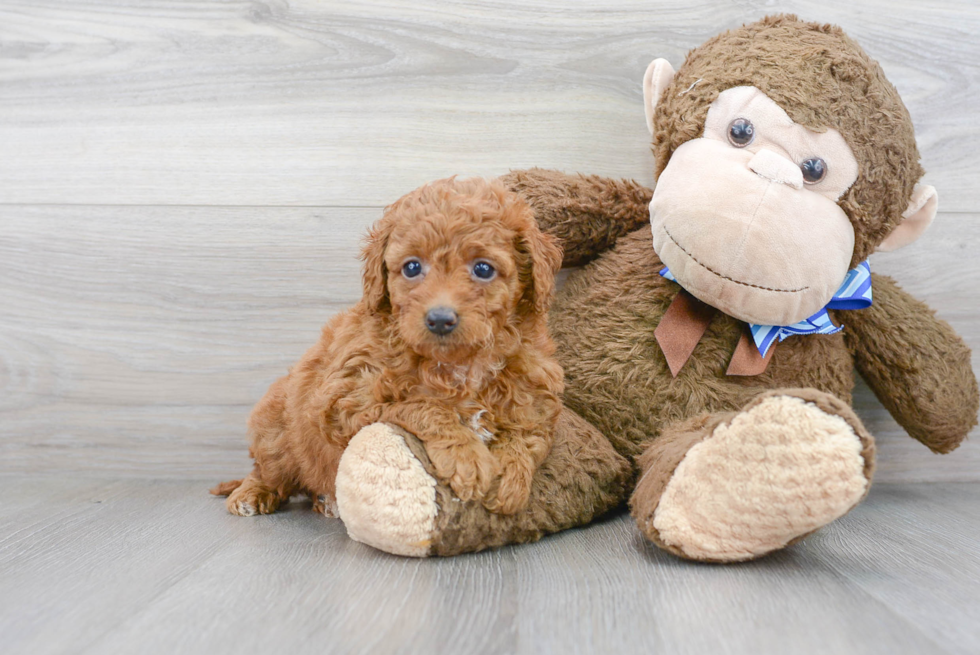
375, 270
543, 257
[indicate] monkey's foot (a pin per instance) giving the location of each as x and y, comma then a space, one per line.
735, 487
388, 495
385, 497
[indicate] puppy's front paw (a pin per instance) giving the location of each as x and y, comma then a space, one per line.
512, 494
327, 505
469, 468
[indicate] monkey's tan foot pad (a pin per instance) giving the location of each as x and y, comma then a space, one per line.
769, 476
385, 497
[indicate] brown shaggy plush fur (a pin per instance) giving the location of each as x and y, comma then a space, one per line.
484, 399
916, 364
580, 480
612, 209
616, 375
604, 319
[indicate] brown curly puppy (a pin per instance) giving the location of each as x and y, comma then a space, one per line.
450, 342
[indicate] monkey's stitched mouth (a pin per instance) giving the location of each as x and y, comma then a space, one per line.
725, 277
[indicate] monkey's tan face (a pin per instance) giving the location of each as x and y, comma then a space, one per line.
746, 217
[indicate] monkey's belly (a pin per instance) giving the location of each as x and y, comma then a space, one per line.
616, 376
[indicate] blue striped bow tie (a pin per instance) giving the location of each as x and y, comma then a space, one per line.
854, 293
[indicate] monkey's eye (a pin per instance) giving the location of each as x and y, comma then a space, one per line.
412, 268
741, 132
814, 170
484, 271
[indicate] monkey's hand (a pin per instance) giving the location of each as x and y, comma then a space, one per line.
917, 366
587, 212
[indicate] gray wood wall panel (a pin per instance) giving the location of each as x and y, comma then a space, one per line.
154, 278
352, 103
136, 339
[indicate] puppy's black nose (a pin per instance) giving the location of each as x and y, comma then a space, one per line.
441, 320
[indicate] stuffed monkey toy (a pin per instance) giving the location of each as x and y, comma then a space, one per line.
711, 336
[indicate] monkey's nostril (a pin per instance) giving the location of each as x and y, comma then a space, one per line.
441, 320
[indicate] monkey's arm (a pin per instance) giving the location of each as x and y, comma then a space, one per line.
587, 212
917, 366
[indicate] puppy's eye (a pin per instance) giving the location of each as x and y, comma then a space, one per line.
412, 268
484, 271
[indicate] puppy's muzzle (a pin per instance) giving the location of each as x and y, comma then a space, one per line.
441, 320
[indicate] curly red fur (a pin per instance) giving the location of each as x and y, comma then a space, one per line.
484, 399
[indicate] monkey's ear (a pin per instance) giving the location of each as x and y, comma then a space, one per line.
922, 209
655, 80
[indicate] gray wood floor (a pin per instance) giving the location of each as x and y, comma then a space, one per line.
110, 566
183, 187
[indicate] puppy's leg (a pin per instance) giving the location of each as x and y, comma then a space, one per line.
457, 454
262, 491
465, 462
519, 455
252, 497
